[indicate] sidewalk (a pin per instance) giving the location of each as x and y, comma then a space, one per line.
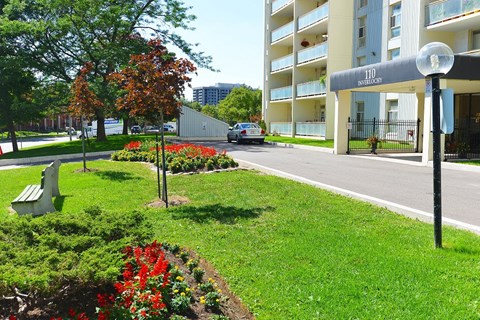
11, 163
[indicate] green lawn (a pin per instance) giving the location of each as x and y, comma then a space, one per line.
301, 141
115, 142
289, 250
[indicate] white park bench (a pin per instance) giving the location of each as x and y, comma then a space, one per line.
37, 199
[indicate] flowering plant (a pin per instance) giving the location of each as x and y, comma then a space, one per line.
144, 287
179, 157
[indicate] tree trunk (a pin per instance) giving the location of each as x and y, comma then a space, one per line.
13, 136
101, 136
125, 125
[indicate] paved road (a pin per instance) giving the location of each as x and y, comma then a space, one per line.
29, 142
403, 186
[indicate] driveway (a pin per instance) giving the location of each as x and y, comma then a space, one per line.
402, 186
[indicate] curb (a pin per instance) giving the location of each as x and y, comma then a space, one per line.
38, 160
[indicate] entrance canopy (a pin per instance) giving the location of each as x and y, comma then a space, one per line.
402, 76
399, 76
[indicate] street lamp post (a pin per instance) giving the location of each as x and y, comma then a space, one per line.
434, 60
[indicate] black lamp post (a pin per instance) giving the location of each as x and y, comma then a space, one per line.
434, 60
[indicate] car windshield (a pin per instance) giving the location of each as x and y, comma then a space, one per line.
249, 126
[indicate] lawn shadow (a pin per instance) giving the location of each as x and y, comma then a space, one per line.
59, 201
221, 213
115, 175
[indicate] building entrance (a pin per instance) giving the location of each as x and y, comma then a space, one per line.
464, 142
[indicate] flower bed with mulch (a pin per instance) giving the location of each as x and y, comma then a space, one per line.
159, 281
178, 157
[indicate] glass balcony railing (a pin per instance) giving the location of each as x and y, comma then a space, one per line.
281, 128
278, 4
282, 32
311, 88
282, 63
318, 129
318, 51
281, 93
313, 16
440, 11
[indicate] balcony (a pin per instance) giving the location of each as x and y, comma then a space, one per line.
284, 128
282, 32
282, 63
281, 93
313, 17
313, 53
312, 88
315, 129
279, 4
456, 13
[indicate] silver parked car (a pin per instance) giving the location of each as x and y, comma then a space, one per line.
242, 132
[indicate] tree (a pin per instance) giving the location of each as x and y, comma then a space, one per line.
59, 37
195, 105
154, 84
16, 89
210, 110
242, 104
84, 101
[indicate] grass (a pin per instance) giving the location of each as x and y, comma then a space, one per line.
301, 141
469, 162
115, 142
289, 250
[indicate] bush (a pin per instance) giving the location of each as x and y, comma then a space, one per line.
178, 157
43, 254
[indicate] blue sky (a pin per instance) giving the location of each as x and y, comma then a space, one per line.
231, 32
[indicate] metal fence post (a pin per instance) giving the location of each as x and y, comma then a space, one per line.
348, 136
417, 135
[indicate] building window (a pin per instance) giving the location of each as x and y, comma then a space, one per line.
392, 115
394, 54
396, 20
362, 31
476, 40
361, 61
360, 115
363, 3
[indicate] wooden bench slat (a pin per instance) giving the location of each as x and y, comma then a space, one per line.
35, 195
26, 193
37, 199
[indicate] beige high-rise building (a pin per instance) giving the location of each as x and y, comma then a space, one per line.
305, 41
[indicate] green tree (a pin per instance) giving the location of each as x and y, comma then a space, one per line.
243, 104
16, 90
59, 37
195, 105
210, 110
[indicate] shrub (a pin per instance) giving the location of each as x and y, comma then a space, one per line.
178, 157
45, 253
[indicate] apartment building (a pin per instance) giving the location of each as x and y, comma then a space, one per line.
305, 41
308, 41
212, 95
406, 26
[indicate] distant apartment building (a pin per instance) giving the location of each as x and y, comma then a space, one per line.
212, 95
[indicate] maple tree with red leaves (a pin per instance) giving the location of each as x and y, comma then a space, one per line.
84, 101
154, 83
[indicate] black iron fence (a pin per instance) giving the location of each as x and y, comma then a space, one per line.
464, 142
374, 135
